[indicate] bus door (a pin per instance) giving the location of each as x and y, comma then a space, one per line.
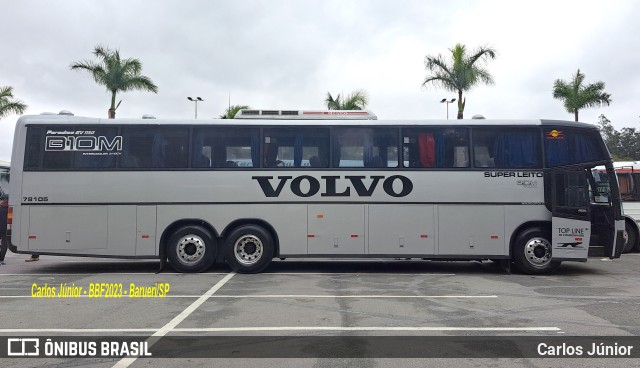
606, 215
571, 214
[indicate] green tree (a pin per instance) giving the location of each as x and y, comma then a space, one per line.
624, 144
116, 74
357, 100
575, 95
8, 105
232, 110
461, 73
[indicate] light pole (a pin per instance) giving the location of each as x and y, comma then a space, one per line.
444, 100
196, 101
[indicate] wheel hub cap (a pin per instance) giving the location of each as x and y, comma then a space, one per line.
190, 249
248, 249
538, 251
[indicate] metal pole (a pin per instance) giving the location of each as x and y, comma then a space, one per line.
196, 101
444, 100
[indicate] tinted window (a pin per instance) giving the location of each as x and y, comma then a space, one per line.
101, 150
226, 147
571, 190
157, 147
365, 147
34, 148
572, 146
69, 148
436, 147
296, 147
4, 183
627, 186
506, 148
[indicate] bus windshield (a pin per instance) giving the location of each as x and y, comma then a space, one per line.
570, 146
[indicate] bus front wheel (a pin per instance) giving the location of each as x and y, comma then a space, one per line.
249, 249
532, 252
191, 249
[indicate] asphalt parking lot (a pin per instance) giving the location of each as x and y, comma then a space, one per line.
321, 298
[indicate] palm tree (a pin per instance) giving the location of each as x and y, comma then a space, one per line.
118, 75
8, 105
358, 100
461, 73
576, 96
232, 110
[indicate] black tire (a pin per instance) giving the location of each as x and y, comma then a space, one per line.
632, 238
191, 249
249, 249
532, 252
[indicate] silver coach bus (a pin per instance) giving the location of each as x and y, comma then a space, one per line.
313, 184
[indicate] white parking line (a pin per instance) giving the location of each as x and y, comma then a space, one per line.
226, 273
320, 328
290, 296
125, 362
372, 273
76, 330
114, 273
266, 329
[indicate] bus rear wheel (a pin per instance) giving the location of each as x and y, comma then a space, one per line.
191, 249
631, 238
532, 252
249, 249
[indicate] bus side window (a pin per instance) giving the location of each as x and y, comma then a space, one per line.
202, 159
623, 180
635, 191
482, 158
365, 147
34, 148
225, 147
271, 155
59, 160
314, 161
295, 147
506, 148
436, 147
165, 147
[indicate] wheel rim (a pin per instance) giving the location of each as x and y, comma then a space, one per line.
248, 249
190, 249
538, 252
629, 240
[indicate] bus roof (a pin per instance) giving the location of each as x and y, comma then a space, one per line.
306, 114
5, 164
627, 166
73, 120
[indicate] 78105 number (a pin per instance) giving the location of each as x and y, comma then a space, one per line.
35, 199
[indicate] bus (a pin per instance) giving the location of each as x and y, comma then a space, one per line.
302, 184
628, 175
4, 199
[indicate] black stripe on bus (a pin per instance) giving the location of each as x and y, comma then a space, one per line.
266, 202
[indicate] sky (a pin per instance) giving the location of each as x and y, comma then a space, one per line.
286, 54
